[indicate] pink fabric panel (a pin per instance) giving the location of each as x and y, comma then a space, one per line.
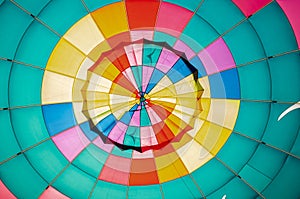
291, 8
148, 136
154, 118
118, 163
248, 7
118, 132
135, 120
166, 60
130, 55
5, 193
141, 34
144, 155
115, 176
51, 193
147, 72
182, 47
71, 142
129, 75
105, 147
216, 57
172, 19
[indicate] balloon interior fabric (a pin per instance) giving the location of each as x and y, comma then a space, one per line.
149, 99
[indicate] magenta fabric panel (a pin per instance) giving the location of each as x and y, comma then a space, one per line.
51, 193
248, 7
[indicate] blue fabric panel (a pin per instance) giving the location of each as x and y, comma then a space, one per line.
58, 117
196, 62
107, 124
179, 71
86, 129
155, 78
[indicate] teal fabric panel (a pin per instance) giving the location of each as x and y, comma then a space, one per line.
109, 190
145, 192
268, 161
198, 34
237, 151
47, 160
69, 12
274, 29
252, 118
287, 183
190, 5
285, 74
8, 142
256, 179
163, 37
216, 13
212, 176
282, 133
91, 160
5, 68
75, 183
94, 5
21, 178
255, 81
29, 125
296, 148
25, 85
13, 23
235, 188
36, 45
181, 188
33, 6
244, 44
122, 153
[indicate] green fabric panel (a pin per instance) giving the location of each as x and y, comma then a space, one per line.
47, 160
163, 37
29, 125
69, 10
268, 161
252, 118
285, 74
9, 145
244, 44
274, 29
33, 6
236, 188
254, 178
191, 5
287, 183
211, 176
296, 148
13, 23
123, 153
198, 34
36, 45
146, 192
94, 5
255, 81
216, 13
91, 160
74, 183
25, 86
181, 188
282, 133
237, 151
5, 67
21, 178
108, 190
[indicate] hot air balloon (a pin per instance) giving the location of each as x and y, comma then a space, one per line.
149, 99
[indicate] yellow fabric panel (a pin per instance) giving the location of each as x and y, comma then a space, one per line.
117, 89
85, 34
205, 102
65, 59
77, 86
111, 19
166, 105
186, 138
98, 50
56, 88
193, 155
111, 73
166, 92
206, 86
223, 112
99, 114
212, 137
169, 167
85, 65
